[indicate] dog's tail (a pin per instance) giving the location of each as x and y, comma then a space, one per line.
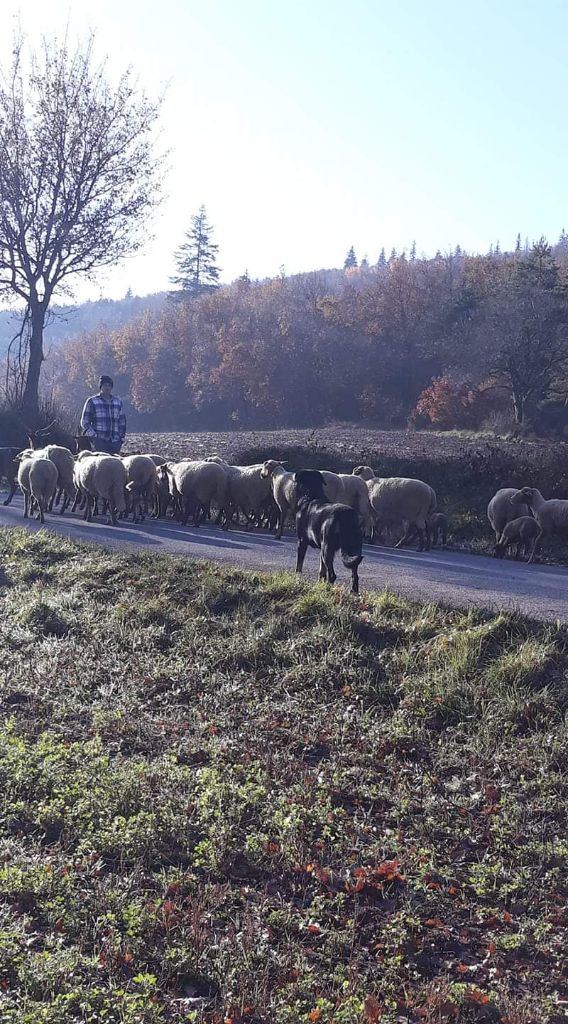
351, 539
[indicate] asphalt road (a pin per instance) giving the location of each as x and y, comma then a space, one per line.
450, 578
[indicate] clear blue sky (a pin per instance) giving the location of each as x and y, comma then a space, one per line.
306, 127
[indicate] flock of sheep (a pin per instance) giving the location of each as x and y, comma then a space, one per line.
263, 494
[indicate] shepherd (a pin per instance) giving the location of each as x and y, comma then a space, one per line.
103, 419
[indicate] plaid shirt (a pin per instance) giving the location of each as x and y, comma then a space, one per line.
104, 418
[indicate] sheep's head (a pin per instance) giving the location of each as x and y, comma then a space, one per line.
523, 497
365, 472
269, 466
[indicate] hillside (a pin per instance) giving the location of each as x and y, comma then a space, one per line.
69, 321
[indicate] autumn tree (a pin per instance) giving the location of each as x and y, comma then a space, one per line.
78, 180
196, 259
526, 327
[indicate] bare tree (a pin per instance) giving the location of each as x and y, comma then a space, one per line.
78, 179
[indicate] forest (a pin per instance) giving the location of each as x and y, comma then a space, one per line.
454, 341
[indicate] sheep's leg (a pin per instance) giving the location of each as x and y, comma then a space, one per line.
520, 545
536, 543
355, 579
301, 553
26, 504
40, 513
280, 523
323, 569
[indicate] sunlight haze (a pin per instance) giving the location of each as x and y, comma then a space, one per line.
307, 128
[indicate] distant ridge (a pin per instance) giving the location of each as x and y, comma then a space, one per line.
72, 320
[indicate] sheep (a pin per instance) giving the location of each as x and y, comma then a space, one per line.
42, 480
551, 515
283, 491
64, 462
8, 469
141, 480
98, 475
522, 532
25, 460
397, 499
248, 491
356, 494
198, 484
500, 511
365, 472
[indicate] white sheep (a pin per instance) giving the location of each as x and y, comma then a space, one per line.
500, 511
365, 472
402, 499
525, 532
141, 481
42, 479
249, 492
98, 475
551, 515
25, 460
356, 494
283, 491
65, 463
196, 485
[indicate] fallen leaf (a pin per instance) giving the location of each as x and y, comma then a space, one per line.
372, 1008
314, 1014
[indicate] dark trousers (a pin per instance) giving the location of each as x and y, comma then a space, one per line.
110, 447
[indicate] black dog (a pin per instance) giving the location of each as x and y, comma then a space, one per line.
328, 527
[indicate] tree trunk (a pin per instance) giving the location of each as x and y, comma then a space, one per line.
518, 407
30, 398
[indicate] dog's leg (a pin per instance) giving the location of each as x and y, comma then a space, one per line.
301, 553
327, 555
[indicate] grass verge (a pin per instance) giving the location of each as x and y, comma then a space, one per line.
227, 797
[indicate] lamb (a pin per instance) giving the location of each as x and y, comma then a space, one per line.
141, 480
42, 481
500, 511
198, 484
524, 532
101, 476
551, 515
283, 491
438, 524
400, 499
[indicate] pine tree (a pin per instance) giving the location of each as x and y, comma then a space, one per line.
364, 262
518, 244
350, 259
196, 259
382, 261
413, 251
392, 255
